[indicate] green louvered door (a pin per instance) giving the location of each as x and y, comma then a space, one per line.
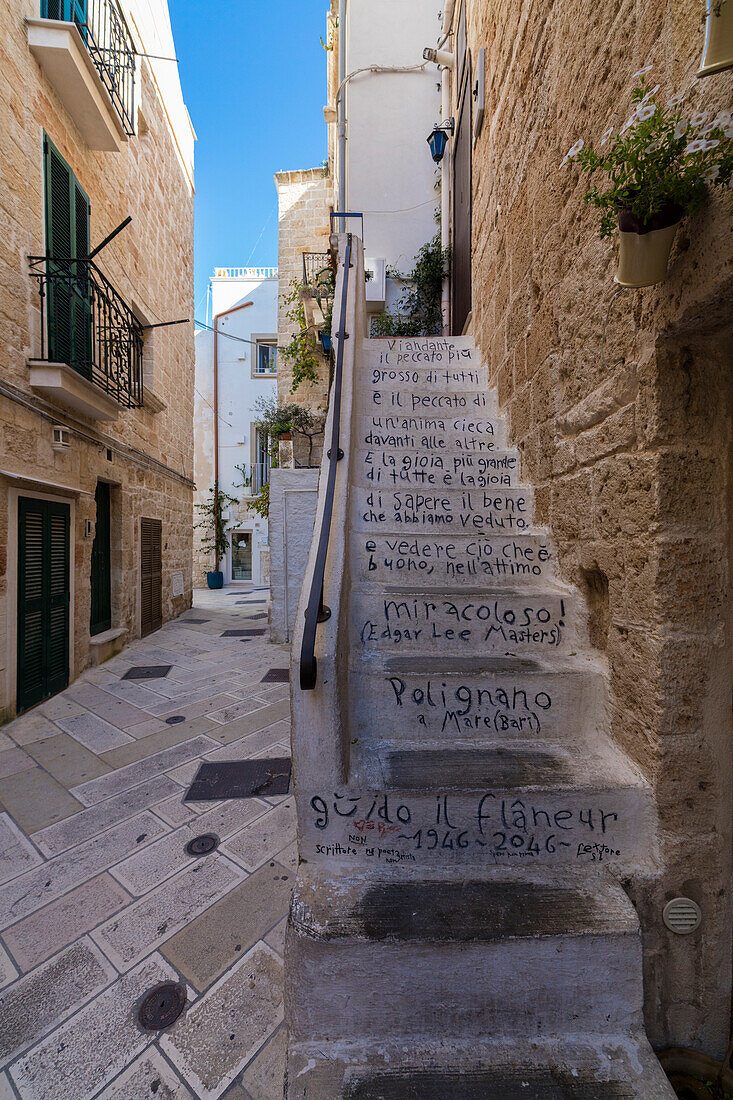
43, 600
69, 315
101, 616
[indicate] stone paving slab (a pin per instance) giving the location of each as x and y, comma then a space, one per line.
95, 819
263, 1077
148, 1076
48, 930
257, 720
144, 870
213, 942
150, 767
226, 1027
86, 1052
37, 1002
264, 838
36, 800
8, 971
66, 760
14, 760
142, 927
115, 876
17, 853
50, 880
93, 732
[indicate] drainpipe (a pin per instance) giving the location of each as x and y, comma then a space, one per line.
445, 112
215, 326
342, 111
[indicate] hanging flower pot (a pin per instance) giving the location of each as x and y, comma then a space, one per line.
325, 338
717, 53
644, 249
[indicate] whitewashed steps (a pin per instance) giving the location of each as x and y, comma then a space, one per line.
508, 953
395, 402
464, 622
426, 380
444, 700
440, 560
415, 469
584, 1066
431, 433
475, 511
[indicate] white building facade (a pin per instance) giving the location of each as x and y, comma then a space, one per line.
384, 96
236, 363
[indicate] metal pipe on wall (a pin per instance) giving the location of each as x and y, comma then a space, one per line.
342, 111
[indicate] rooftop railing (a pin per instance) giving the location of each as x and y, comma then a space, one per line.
90, 327
107, 38
245, 273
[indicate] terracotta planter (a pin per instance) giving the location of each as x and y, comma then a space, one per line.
644, 249
717, 53
286, 437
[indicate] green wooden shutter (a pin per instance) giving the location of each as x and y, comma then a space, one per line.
101, 616
43, 600
67, 237
151, 601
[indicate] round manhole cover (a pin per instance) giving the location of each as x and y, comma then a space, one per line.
175, 719
202, 845
162, 1006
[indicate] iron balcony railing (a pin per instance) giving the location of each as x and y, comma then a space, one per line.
318, 274
90, 327
107, 38
256, 476
316, 612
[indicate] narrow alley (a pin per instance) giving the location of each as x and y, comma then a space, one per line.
100, 900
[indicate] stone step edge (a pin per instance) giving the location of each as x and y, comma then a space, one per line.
609, 1055
545, 587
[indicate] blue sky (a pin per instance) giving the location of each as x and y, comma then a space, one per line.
254, 80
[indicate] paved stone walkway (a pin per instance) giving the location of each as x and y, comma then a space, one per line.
99, 900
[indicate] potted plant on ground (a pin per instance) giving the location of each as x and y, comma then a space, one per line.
717, 53
213, 525
660, 165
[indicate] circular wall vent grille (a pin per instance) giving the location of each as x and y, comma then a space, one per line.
682, 915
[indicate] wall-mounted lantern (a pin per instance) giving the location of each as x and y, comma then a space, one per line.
438, 139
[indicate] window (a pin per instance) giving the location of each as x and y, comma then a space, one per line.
67, 239
261, 469
265, 359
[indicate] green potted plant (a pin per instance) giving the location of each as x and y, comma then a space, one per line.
659, 165
213, 525
717, 52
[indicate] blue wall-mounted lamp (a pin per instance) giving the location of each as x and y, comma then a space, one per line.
438, 139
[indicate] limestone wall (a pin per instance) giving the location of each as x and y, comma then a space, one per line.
304, 203
628, 444
146, 454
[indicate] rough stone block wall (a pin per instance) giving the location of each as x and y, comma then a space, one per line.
151, 265
627, 440
304, 200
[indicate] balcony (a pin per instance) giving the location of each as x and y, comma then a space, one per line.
255, 476
91, 342
85, 49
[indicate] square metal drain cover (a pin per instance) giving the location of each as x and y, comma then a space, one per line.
241, 633
261, 615
197, 622
240, 779
276, 676
147, 672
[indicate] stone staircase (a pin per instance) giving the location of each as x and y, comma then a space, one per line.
458, 930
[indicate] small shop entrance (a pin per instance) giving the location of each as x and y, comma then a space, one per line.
241, 555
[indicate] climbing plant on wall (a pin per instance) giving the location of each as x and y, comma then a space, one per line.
419, 311
300, 353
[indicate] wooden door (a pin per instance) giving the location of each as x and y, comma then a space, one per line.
101, 582
462, 210
151, 574
43, 600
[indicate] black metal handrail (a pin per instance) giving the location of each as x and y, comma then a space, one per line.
90, 327
109, 43
316, 612
342, 215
